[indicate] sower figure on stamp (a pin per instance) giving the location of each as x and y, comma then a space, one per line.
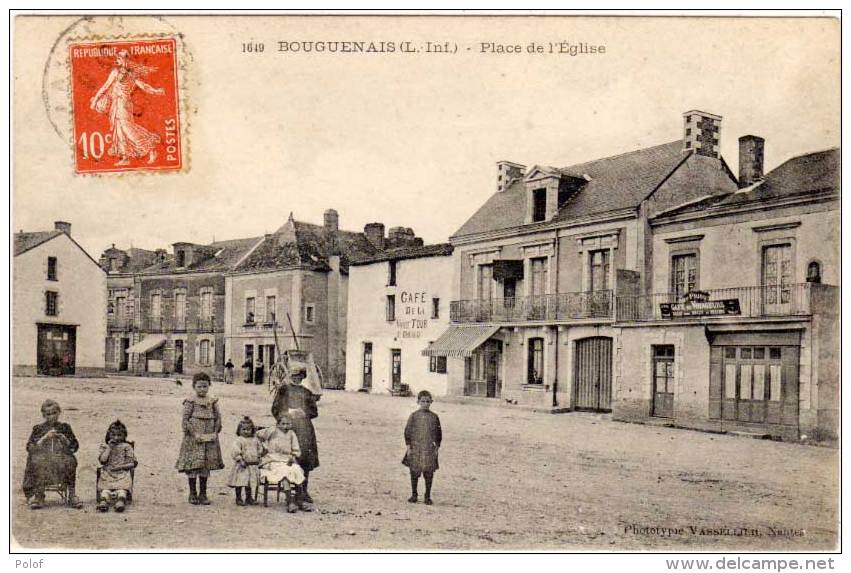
423, 436
129, 139
293, 398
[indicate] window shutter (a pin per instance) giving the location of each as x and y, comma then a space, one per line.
715, 363
59, 304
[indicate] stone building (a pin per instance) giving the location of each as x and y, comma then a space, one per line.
58, 297
165, 312
291, 291
740, 328
539, 266
398, 304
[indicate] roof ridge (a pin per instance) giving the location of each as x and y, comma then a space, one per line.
616, 156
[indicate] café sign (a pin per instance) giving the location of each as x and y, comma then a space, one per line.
697, 303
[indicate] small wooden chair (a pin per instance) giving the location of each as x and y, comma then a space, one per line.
267, 486
59, 488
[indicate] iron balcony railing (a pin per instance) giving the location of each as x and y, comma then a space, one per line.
749, 302
120, 322
179, 324
563, 306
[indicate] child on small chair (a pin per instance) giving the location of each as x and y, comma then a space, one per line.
279, 462
117, 459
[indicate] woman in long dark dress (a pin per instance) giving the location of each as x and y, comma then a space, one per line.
300, 403
50, 458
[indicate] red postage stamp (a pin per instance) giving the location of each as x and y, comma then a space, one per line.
125, 106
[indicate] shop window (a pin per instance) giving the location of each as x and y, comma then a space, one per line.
437, 364
759, 353
746, 353
535, 374
774, 353
730, 352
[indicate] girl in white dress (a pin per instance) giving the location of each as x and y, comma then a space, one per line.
279, 465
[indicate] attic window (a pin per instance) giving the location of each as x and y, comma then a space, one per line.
181, 258
539, 205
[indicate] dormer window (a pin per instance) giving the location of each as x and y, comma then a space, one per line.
181, 258
539, 205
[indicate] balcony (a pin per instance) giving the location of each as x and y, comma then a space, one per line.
179, 324
205, 324
120, 323
549, 307
746, 302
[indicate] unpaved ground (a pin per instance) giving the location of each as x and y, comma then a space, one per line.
509, 479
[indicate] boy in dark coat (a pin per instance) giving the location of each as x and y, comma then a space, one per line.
422, 437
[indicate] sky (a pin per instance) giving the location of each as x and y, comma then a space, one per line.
407, 139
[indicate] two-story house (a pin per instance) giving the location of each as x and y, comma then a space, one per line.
168, 314
58, 296
291, 292
539, 266
398, 304
740, 330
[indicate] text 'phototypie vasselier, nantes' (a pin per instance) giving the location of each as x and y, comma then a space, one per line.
444, 47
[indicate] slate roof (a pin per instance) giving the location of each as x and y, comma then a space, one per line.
801, 175
219, 256
616, 182
401, 253
26, 241
304, 245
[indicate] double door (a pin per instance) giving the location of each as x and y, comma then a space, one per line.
593, 374
56, 349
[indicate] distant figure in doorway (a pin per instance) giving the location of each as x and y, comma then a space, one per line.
200, 452
229, 372
247, 372
422, 438
258, 372
50, 458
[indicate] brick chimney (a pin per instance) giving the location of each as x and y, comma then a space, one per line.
506, 171
62, 226
331, 220
702, 133
751, 160
375, 234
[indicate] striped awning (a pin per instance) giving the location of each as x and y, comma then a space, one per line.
148, 344
460, 341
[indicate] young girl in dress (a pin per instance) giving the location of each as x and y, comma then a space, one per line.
279, 462
246, 455
117, 459
50, 458
422, 437
200, 452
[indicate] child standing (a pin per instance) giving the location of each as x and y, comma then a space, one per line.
279, 462
50, 458
200, 451
246, 455
117, 459
422, 437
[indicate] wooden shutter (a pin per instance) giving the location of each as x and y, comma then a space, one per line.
716, 360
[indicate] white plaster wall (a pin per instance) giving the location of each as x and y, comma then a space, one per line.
82, 292
367, 295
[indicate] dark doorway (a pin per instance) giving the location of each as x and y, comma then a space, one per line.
178, 356
123, 359
396, 368
593, 374
56, 350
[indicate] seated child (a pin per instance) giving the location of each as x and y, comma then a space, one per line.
50, 458
117, 459
247, 452
279, 462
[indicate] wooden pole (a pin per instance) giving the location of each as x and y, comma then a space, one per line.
295, 338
